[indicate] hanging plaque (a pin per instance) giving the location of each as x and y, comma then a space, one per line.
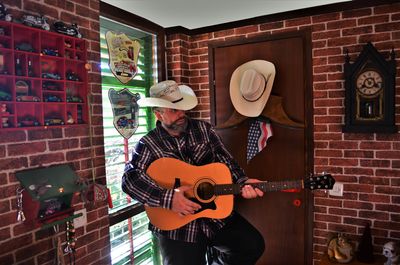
123, 56
125, 111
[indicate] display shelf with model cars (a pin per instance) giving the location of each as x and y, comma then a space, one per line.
43, 79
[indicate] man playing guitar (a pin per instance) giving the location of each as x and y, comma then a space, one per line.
196, 143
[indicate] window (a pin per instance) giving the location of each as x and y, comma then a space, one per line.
129, 236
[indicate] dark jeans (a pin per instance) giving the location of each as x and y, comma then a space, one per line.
237, 243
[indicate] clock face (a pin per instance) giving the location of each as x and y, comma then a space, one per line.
369, 82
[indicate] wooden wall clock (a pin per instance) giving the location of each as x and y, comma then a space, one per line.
370, 92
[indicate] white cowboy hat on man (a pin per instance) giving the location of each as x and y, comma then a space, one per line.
250, 87
168, 94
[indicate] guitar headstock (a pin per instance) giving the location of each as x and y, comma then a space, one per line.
318, 182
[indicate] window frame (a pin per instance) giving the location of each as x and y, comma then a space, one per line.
124, 17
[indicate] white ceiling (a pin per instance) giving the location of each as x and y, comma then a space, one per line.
193, 14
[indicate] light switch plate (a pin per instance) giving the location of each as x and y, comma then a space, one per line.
81, 220
337, 190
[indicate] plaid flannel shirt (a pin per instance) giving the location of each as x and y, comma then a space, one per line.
199, 145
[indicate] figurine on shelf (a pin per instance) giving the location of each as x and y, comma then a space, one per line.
18, 67
340, 249
4, 121
3, 109
36, 21
365, 252
71, 30
4, 15
70, 119
391, 250
67, 44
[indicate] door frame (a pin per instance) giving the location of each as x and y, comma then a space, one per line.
305, 36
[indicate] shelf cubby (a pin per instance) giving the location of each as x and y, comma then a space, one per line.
36, 90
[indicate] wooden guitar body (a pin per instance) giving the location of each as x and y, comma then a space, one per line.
166, 171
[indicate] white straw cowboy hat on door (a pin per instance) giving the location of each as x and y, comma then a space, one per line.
168, 94
250, 87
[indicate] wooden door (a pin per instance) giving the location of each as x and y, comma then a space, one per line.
284, 219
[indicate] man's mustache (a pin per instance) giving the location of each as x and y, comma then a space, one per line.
179, 120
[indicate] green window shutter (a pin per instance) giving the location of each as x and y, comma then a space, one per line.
133, 230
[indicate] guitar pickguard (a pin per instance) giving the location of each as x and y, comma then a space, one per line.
204, 206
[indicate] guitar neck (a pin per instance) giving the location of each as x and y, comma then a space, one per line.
265, 186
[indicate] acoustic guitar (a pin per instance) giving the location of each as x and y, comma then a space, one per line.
212, 189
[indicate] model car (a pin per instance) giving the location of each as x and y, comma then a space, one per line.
5, 96
50, 52
71, 30
24, 46
74, 99
49, 85
28, 121
72, 76
51, 76
67, 44
28, 98
22, 87
4, 14
52, 98
53, 121
125, 122
36, 21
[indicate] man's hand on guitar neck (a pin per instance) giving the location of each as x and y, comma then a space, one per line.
248, 192
181, 204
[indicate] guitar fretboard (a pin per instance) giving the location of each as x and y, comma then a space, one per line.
265, 186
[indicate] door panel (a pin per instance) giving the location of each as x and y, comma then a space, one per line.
283, 223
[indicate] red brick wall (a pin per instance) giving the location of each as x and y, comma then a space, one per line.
367, 164
22, 149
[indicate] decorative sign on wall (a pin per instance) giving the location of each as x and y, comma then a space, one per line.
123, 53
125, 111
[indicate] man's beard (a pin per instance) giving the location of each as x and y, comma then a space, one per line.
178, 126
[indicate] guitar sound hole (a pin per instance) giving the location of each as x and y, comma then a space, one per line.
205, 191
